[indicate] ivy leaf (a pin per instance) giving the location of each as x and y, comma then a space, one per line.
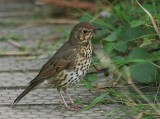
143, 72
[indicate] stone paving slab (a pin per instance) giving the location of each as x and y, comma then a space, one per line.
20, 79
32, 32
50, 112
43, 96
4, 46
12, 63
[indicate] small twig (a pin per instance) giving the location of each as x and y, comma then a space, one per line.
152, 19
32, 57
14, 53
94, 18
96, 67
19, 70
15, 43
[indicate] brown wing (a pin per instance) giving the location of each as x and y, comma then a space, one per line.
63, 59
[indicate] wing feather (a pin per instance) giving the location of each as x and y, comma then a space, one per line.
59, 62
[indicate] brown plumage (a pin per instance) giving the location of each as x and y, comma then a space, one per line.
68, 65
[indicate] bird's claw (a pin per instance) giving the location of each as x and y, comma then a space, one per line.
74, 107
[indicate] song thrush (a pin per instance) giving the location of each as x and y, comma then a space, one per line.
68, 65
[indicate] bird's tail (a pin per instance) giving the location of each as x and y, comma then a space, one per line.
26, 91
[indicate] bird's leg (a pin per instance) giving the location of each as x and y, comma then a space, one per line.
60, 92
72, 108
68, 96
73, 105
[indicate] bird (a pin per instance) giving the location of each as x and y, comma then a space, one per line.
68, 65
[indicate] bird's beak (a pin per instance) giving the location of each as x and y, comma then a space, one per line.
96, 29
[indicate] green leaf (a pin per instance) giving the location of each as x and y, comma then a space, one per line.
108, 47
121, 47
98, 99
158, 76
118, 60
137, 23
130, 34
114, 35
121, 61
91, 77
143, 72
138, 53
154, 57
88, 85
95, 60
88, 81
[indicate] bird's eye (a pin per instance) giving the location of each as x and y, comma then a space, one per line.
85, 31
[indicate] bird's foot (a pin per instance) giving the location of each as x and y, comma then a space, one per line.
74, 107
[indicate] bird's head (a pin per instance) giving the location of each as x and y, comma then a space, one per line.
82, 33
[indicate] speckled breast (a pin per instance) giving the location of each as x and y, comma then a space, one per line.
83, 62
